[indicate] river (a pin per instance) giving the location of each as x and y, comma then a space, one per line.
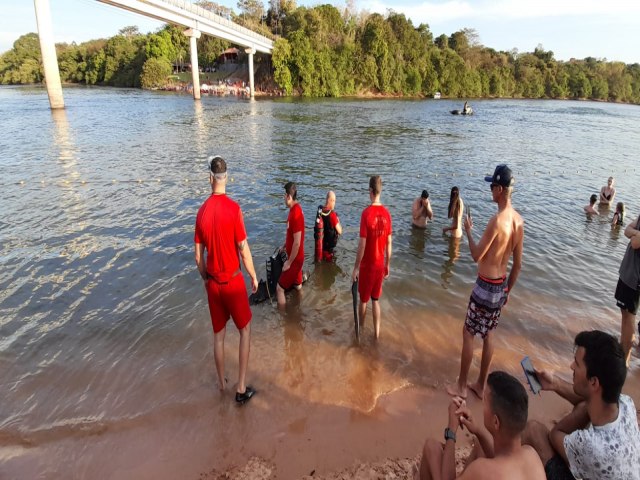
105, 341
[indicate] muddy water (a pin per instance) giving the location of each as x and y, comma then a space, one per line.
105, 343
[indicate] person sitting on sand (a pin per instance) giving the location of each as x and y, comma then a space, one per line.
498, 450
503, 237
590, 209
456, 207
421, 210
618, 217
607, 193
600, 438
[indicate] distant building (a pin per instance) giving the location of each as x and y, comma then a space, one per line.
230, 55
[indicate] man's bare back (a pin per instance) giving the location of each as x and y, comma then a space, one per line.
504, 236
523, 464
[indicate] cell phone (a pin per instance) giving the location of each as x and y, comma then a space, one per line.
530, 373
469, 211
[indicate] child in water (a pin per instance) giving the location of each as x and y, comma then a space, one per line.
618, 217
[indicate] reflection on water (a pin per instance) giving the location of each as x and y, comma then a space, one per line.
453, 252
419, 238
100, 293
324, 276
295, 354
63, 141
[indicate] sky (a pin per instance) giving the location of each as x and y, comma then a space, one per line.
607, 29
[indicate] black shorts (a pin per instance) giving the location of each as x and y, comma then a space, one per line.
556, 469
627, 297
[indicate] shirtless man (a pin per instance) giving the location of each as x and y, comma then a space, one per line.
499, 453
590, 209
421, 210
502, 238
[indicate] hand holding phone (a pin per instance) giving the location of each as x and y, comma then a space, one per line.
530, 373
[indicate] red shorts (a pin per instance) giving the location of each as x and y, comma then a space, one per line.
228, 299
370, 284
291, 277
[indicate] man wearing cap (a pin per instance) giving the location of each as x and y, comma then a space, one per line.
291, 275
220, 231
421, 210
503, 237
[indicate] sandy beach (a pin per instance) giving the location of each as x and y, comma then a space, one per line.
385, 444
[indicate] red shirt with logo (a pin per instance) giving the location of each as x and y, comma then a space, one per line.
220, 227
295, 224
375, 226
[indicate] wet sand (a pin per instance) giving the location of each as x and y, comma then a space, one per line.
384, 444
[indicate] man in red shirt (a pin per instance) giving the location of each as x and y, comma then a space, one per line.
220, 231
375, 243
291, 275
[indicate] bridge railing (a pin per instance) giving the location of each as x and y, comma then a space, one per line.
197, 10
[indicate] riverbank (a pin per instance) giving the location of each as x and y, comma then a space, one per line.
385, 445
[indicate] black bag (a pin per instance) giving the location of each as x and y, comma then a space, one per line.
261, 294
274, 268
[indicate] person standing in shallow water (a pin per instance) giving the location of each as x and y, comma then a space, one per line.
503, 237
421, 210
590, 209
607, 193
220, 232
374, 253
454, 212
291, 276
331, 228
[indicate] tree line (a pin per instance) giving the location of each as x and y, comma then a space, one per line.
322, 51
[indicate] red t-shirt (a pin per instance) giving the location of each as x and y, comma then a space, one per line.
375, 226
220, 227
295, 224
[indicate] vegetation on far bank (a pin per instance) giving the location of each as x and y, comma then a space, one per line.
324, 52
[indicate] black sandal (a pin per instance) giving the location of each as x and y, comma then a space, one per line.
242, 398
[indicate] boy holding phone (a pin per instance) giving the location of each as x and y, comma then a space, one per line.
600, 437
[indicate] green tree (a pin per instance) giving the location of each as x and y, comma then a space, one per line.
251, 9
21, 64
281, 56
216, 8
155, 72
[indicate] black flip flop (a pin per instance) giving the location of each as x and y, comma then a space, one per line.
242, 398
354, 294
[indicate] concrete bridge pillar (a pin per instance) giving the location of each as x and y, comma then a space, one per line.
49, 57
251, 52
194, 35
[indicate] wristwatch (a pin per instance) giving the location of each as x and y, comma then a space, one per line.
449, 434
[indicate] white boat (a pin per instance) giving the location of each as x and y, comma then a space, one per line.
436, 96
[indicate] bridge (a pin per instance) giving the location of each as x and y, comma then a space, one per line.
195, 19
